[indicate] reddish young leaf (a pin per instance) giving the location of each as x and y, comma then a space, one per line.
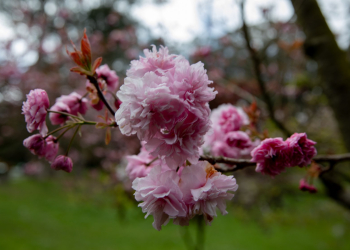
96, 64
86, 50
108, 136
83, 58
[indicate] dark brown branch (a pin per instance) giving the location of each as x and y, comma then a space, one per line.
335, 190
237, 163
244, 163
93, 80
256, 64
332, 158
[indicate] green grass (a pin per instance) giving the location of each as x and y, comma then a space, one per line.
41, 215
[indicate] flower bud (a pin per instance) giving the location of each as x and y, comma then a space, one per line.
41, 147
117, 103
62, 162
34, 110
304, 186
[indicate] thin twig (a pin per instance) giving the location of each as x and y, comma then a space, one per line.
93, 80
256, 63
242, 93
57, 129
64, 113
62, 134
148, 164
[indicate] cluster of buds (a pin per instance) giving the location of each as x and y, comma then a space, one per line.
43, 145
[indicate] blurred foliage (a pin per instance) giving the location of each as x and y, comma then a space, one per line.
49, 214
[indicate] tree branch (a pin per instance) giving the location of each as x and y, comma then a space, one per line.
93, 80
256, 64
244, 163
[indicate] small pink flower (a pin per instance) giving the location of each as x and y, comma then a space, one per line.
160, 195
204, 190
57, 119
221, 148
238, 139
46, 148
271, 156
62, 162
229, 118
225, 139
109, 76
34, 110
75, 102
137, 164
304, 186
302, 149
202, 52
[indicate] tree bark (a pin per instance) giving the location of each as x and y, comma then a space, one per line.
333, 65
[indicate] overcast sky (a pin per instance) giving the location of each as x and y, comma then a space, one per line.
181, 20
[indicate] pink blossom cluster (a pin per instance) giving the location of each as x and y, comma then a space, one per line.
226, 138
195, 190
273, 155
165, 102
35, 111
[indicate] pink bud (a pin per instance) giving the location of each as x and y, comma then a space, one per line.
56, 118
41, 147
117, 103
98, 106
63, 162
75, 102
304, 186
110, 77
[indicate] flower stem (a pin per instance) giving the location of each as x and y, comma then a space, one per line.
148, 164
93, 80
84, 96
186, 237
58, 129
114, 96
200, 233
68, 128
65, 113
71, 140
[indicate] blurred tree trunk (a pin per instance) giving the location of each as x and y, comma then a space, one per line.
333, 65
